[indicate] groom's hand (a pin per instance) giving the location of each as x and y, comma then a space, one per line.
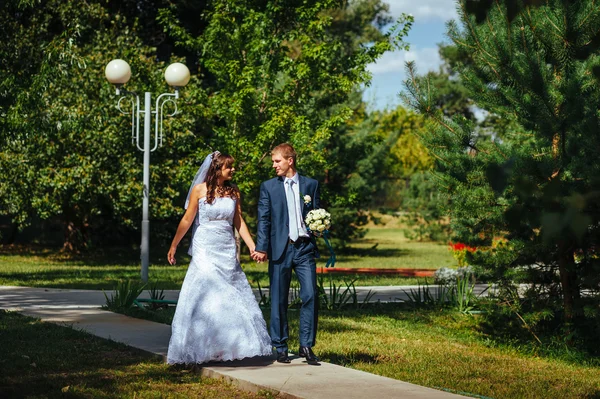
259, 256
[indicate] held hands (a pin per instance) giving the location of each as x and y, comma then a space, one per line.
258, 256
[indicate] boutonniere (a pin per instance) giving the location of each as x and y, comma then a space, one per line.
307, 199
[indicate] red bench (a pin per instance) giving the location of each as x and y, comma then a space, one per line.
375, 271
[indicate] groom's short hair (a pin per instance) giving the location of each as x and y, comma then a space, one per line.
285, 150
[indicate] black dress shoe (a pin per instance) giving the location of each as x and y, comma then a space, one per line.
306, 352
282, 357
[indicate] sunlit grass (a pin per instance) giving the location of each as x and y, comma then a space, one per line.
40, 267
388, 248
443, 350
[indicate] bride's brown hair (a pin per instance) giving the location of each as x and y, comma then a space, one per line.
214, 172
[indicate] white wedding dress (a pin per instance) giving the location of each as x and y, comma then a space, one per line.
217, 316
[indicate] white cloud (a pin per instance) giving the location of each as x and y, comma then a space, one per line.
424, 10
389, 74
426, 59
389, 71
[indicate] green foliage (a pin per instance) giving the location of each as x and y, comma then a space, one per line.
62, 143
456, 294
157, 296
451, 95
464, 294
424, 209
290, 84
332, 298
523, 320
373, 154
427, 296
263, 73
536, 186
125, 293
265, 298
338, 297
155, 292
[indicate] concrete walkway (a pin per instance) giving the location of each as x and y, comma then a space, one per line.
80, 309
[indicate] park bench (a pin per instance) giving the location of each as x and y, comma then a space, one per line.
377, 271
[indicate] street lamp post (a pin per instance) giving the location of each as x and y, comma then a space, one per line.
177, 75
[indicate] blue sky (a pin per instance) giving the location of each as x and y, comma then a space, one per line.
427, 31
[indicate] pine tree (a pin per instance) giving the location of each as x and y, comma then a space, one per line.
536, 66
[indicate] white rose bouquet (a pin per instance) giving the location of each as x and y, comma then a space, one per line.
318, 221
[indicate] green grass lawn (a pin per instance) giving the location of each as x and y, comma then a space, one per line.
440, 349
43, 360
445, 350
380, 248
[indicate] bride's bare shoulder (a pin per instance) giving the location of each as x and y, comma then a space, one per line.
199, 190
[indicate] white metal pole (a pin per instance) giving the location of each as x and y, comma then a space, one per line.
145, 222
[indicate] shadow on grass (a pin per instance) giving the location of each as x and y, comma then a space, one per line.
123, 256
374, 252
334, 327
102, 278
348, 359
44, 359
131, 255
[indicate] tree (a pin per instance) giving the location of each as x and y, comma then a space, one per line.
529, 63
61, 147
299, 74
424, 209
452, 96
264, 73
370, 157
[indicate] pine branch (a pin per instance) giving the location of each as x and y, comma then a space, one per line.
586, 16
499, 150
440, 181
559, 34
542, 154
523, 37
507, 25
470, 26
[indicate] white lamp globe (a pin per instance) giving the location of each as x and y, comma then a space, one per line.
177, 75
117, 72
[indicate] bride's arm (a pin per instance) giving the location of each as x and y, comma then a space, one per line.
241, 227
187, 220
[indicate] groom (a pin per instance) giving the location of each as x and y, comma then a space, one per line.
283, 239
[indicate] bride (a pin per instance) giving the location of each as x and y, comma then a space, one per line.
217, 317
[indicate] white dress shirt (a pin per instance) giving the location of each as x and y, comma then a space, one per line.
302, 232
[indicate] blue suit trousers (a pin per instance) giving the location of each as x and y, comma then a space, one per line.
299, 257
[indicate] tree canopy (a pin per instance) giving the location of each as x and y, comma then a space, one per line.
263, 73
528, 197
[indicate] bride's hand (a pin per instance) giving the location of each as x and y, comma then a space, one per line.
259, 256
171, 255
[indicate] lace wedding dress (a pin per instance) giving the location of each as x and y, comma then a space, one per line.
217, 317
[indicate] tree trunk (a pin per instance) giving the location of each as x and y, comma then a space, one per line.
75, 232
12, 236
568, 281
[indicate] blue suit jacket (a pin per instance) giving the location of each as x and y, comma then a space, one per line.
273, 222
